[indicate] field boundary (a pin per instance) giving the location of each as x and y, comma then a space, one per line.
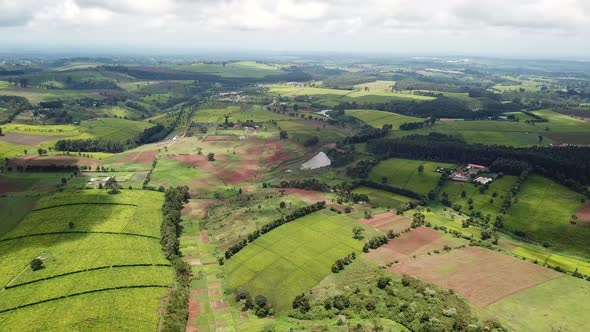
87, 270
89, 203
82, 293
80, 232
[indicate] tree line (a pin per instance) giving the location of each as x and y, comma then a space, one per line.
569, 165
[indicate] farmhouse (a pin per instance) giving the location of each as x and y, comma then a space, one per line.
483, 180
459, 176
475, 166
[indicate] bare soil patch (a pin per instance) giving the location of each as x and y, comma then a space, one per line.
386, 221
218, 138
193, 312
205, 236
480, 275
219, 304
25, 139
140, 156
11, 187
584, 212
309, 196
51, 160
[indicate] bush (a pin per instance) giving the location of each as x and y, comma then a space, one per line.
36, 264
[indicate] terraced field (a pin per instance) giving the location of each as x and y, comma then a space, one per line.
103, 264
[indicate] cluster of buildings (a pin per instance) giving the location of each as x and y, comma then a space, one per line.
472, 173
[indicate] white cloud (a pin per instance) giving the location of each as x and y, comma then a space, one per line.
471, 23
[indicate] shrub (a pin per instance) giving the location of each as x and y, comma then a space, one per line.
36, 264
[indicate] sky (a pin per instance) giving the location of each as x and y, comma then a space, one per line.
534, 28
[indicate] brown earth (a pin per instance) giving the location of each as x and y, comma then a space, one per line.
193, 312
584, 212
386, 221
10, 187
51, 160
140, 156
480, 275
205, 236
309, 196
25, 139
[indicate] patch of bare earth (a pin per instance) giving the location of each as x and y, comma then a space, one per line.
193, 312
584, 212
25, 139
10, 187
140, 156
51, 160
386, 221
480, 275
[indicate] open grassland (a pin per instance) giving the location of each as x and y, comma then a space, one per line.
293, 257
563, 128
557, 305
382, 198
378, 119
100, 252
13, 209
331, 97
236, 114
487, 202
543, 212
486, 132
439, 215
545, 257
35, 95
404, 173
234, 69
300, 130
121, 112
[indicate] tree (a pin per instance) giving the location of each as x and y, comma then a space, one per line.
283, 205
111, 185
357, 233
283, 135
383, 282
71, 225
36, 264
540, 138
211, 156
421, 169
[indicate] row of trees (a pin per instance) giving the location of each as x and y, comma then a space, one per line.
569, 165
272, 225
176, 313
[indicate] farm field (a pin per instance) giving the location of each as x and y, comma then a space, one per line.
293, 257
555, 305
95, 247
545, 257
236, 114
247, 69
382, 198
543, 212
564, 128
378, 119
404, 173
35, 95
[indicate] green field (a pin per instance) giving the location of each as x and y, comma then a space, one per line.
293, 257
404, 173
382, 198
486, 203
97, 270
13, 209
544, 256
564, 128
557, 305
35, 95
378, 119
233, 69
543, 212
236, 114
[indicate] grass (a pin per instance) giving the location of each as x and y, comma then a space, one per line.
481, 201
12, 210
300, 131
404, 173
557, 305
382, 198
543, 212
544, 256
172, 173
293, 258
236, 114
35, 95
95, 241
121, 112
8, 150
234, 69
31, 183
378, 119
564, 128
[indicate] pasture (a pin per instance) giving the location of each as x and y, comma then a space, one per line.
378, 119
246, 69
382, 198
546, 257
293, 257
36, 95
236, 114
559, 304
543, 212
564, 128
101, 255
404, 173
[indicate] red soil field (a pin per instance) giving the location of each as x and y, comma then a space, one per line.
220, 138
24, 139
51, 160
140, 156
10, 187
417, 242
480, 275
205, 236
193, 312
386, 221
584, 212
